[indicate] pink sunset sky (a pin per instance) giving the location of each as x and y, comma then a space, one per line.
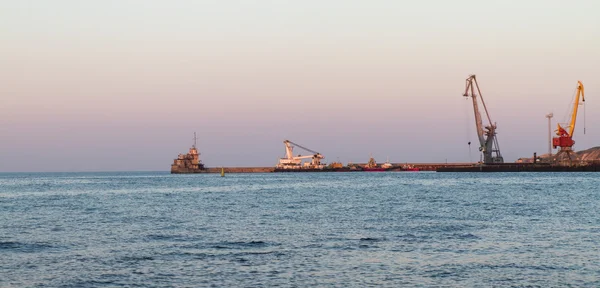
123, 85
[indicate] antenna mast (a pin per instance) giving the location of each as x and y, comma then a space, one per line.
549, 116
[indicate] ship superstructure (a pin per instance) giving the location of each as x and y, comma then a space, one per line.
188, 163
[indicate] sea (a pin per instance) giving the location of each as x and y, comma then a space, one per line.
356, 229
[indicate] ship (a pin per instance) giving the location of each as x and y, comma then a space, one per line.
336, 165
291, 163
188, 163
408, 167
373, 167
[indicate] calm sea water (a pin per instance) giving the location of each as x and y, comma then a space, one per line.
393, 229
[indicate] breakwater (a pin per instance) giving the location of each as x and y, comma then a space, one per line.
521, 167
241, 169
438, 167
420, 166
183, 170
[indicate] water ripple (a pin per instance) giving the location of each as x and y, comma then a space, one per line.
299, 230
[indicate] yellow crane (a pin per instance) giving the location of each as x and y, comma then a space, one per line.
565, 138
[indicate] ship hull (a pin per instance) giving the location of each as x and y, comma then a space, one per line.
375, 169
187, 170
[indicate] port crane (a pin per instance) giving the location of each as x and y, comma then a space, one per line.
295, 162
565, 141
488, 143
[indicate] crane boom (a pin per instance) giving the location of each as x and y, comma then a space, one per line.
304, 157
478, 122
488, 143
580, 93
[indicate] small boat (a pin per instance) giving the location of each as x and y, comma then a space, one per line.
409, 168
387, 164
373, 167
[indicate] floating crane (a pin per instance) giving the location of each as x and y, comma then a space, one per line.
295, 162
488, 143
564, 141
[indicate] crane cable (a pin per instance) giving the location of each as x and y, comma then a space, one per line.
300, 146
584, 117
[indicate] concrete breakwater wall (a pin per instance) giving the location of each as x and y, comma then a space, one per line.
433, 166
425, 166
241, 169
521, 167
182, 170
186, 170
190, 164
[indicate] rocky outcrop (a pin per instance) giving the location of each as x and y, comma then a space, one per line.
588, 155
592, 154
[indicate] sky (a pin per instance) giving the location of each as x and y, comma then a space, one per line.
123, 85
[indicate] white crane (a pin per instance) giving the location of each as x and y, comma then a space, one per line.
488, 143
295, 162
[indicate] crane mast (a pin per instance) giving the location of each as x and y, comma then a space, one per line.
289, 149
488, 143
